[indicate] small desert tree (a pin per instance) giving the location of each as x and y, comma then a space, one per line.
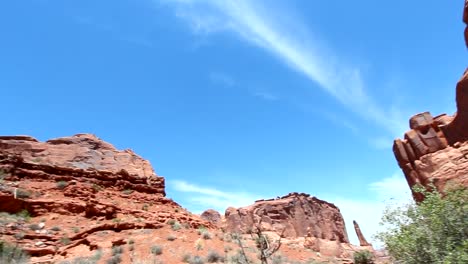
433, 231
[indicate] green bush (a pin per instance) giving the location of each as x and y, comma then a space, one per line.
22, 194
433, 231
197, 260
186, 258
12, 254
62, 184
363, 257
214, 257
156, 250
117, 250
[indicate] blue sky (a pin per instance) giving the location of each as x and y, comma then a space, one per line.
237, 100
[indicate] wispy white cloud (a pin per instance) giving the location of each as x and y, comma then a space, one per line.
259, 23
207, 197
390, 191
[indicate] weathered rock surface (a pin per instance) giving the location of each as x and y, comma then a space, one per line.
83, 157
78, 187
434, 151
212, 216
294, 215
362, 240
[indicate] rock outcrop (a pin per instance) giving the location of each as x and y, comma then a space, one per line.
212, 216
435, 150
74, 188
362, 240
292, 216
82, 157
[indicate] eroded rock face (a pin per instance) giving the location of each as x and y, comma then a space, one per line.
294, 215
83, 157
83, 189
362, 240
435, 150
212, 216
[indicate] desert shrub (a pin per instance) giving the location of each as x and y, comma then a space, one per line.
197, 260
363, 257
239, 258
65, 240
127, 191
12, 254
19, 235
278, 259
433, 231
34, 227
205, 234
156, 250
186, 258
131, 241
171, 222
214, 257
117, 250
62, 184
56, 228
22, 193
114, 259
75, 229
171, 237
176, 226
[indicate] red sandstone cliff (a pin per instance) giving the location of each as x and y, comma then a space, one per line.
435, 150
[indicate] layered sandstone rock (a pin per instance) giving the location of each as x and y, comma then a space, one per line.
435, 150
82, 189
82, 157
294, 215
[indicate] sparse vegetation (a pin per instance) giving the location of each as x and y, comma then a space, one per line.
171, 222
214, 257
131, 241
127, 191
56, 228
156, 250
65, 240
96, 187
145, 207
205, 234
117, 250
433, 231
12, 254
61, 185
22, 193
114, 259
34, 227
19, 235
199, 244
363, 257
197, 260
171, 237
186, 258
176, 226
75, 229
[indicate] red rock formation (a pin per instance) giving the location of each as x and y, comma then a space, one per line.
212, 216
362, 240
294, 215
82, 157
435, 150
80, 183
